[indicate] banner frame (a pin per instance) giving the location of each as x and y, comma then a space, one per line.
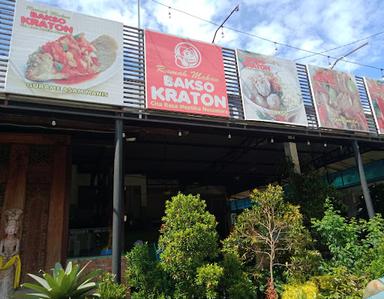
228, 116
371, 105
315, 104
261, 120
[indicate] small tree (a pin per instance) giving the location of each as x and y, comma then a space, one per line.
187, 242
265, 234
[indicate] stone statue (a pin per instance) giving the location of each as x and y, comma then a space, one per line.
374, 289
10, 265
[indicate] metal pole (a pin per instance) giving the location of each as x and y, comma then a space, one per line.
349, 53
138, 14
222, 24
117, 201
363, 180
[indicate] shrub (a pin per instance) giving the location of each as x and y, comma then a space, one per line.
69, 283
352, 244
376, 266
307, 290
144, 275
356, 250
108, 289
235, 282
310, 191
340, 283
208, 276
188, 241
303, 265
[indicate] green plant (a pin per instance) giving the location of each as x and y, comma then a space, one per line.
144, 275
340, 284
355, 253
188, 241
235, 281
309, 191
108, 289
353, 244
376, 266
70, 282
208, 276
306, 290
304, 264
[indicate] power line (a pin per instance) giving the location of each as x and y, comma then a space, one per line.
343, 46
313, 53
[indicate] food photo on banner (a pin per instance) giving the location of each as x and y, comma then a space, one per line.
61, 54
270, 89
337, 100
184, 75
376, 97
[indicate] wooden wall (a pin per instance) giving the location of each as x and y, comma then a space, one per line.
34, 177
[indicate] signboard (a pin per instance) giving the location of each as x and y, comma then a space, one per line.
66, 55
337, 100
184, 76
376, 97
270, 89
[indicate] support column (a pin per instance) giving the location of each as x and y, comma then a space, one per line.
117, 202
17, 177
58, 208
363, 180
290, 150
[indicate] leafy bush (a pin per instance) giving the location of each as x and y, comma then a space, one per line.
353, 244
144, 275
339, 284
188, 241
235, 282
307, 290
309, 191
356, 250
303, 265
208, 276
376, 266
69, 283
108, 289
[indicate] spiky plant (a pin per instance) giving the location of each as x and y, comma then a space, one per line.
68, 283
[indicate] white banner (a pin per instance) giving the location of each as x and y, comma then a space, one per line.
66, 55
270, 89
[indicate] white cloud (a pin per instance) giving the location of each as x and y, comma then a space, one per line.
184, 25
312, 24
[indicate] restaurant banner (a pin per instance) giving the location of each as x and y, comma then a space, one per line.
61, 54
376, 97
270, 89
184, 76
337, 100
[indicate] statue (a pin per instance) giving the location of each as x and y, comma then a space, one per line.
374, 289
10, 264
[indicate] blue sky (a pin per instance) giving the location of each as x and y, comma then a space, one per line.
314, 25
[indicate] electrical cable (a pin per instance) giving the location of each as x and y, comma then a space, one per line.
344, 45
313, 53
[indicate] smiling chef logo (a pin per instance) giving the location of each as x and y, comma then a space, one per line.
187, 56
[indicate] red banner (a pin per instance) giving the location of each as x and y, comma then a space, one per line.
376, 96
337, 100
184, 76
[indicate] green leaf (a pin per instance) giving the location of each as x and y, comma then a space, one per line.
32, 295
41, 281
35, 287
51, 281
